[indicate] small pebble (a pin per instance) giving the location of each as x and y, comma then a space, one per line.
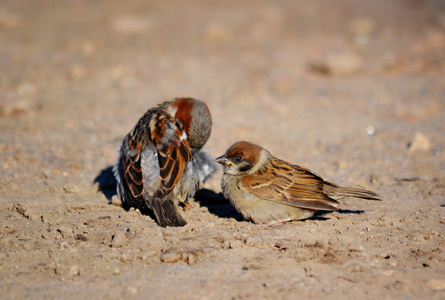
131, 290
235, 244
70, 271
127, 257
225, 244
437, 284
172, 255
420, 142
131, 24
74, 270
370, 130
65, 231
81, 237
338, 64
190, 258
118, 240
12, 107
253, 266
251, 241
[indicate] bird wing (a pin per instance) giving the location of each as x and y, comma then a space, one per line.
290, 185
169, 138
131, 171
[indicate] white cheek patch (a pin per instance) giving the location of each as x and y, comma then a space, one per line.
183, 136
264, 156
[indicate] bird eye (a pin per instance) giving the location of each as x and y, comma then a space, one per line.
238, 158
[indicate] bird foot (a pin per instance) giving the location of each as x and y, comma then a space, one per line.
187, 205
276, 222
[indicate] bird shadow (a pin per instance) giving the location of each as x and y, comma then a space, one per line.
319, 215
350, 212
217, 204
106, 183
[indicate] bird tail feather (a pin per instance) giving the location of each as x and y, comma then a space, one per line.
338, 191
166, 213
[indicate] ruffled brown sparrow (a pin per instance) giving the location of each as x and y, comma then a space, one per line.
161, 159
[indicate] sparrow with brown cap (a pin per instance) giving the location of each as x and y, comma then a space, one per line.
268, 190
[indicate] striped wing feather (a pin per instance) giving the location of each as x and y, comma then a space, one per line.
290, 185
169, 138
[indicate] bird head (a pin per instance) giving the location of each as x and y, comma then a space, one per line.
196, 118
243, 157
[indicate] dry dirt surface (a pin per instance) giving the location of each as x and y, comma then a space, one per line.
353, 90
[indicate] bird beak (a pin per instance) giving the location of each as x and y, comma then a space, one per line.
223, 160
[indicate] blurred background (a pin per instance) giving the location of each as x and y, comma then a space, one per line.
358, 81
353, 90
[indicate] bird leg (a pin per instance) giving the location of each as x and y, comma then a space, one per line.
275, 222
186, 203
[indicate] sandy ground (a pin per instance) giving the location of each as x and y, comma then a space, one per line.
353, 90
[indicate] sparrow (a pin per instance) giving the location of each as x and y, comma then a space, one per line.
267, 190
161, 160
